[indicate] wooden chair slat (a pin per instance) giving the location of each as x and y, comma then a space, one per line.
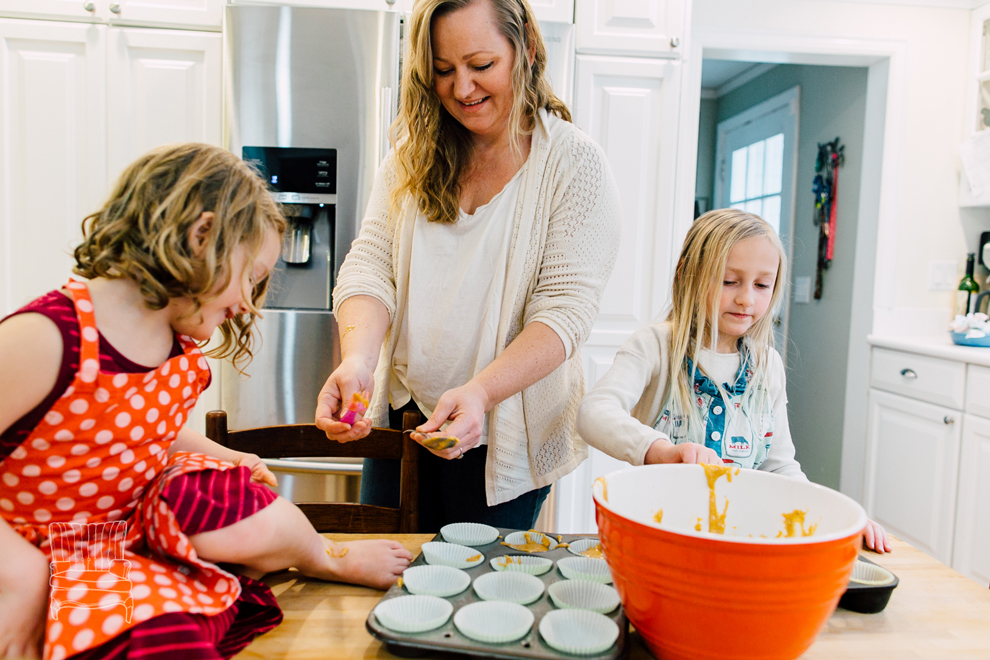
355, 518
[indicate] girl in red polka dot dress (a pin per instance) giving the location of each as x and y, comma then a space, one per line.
96, 383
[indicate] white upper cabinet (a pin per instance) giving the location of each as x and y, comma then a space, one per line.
163, 87
978, 95
559, 11
380, 5
630, 27
52, 150
202, 14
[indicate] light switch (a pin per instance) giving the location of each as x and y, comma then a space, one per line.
942, 275
802, 289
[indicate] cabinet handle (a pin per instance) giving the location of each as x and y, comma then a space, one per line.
909, 373
948, 420
675, 42
89, 6
115, 8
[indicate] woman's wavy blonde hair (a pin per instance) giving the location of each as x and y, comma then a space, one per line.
142, 232
697, 292
431, 147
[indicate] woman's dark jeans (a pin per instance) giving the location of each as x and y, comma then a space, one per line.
449, 491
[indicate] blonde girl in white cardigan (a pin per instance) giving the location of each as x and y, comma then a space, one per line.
706, 385
491, 232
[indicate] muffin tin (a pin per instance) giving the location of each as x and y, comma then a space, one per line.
448, 637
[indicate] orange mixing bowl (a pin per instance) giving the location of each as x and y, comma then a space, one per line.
744, 594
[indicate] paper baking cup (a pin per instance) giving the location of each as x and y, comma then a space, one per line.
871, 574
442, 581
451, 554
413, 614
583, 595
522, 538
579, 546
493, 621
469, 533
522, 564
512, 587
584, 568
579, 632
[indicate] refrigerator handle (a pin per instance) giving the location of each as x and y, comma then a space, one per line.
386, 113
312, 467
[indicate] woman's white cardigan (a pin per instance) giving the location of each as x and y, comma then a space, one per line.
560, 257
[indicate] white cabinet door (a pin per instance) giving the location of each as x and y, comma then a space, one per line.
630, 27
971, 552
628, 106
393, 5
560, 11
52, 149
181, 13
164, 86
911, 468
73, 10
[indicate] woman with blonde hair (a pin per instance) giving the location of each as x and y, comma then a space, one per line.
707, 385
491, 232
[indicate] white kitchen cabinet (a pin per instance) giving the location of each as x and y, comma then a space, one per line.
201, 14
652, 28
559, 11
911, 470
381, 5
971, 551
630, 107
978, 95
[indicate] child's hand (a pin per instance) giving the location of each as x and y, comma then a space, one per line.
23, 606
259, 471
875, 538
664, 451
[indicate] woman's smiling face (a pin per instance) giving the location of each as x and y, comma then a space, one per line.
472, 68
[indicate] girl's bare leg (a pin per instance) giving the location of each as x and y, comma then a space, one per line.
280, 537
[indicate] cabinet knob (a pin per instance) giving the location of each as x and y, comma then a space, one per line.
115, 7
675, 42
949, 420
909, 374
89, 6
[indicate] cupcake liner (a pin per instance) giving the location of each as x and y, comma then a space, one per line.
451, 554
512, 587
522, 564
531, 538
583, 595
442, 581
469, 533
582, 546
866, 573
579, 632
584, 568
413, 614
494, 621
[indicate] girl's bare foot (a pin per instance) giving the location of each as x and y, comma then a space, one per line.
373, 563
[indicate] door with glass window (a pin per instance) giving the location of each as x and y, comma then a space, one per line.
756, 160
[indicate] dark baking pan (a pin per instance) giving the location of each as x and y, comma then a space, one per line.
868, 598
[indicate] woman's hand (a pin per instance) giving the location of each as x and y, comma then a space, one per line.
875, 538
664, 451
24, 596
464, 407
259, 471
353, 375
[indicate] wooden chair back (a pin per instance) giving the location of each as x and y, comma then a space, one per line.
306, 440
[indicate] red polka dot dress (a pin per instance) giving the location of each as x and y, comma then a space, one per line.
100, 454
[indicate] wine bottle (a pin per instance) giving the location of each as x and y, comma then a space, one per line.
967, 290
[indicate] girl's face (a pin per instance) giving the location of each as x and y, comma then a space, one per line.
747, 287
232, 300
472, 68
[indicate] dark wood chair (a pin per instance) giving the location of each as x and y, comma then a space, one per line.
306, 440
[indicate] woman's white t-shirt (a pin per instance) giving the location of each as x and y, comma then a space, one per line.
456, 285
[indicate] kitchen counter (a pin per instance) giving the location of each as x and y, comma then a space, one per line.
939, 346
933, 613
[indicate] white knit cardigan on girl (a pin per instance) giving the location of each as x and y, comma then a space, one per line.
561, 254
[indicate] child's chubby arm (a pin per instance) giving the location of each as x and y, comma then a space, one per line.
31, 354
189, 440
24, 575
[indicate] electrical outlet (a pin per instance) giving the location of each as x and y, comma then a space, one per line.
802, 289
942, 275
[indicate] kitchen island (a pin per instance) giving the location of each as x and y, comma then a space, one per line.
933, 613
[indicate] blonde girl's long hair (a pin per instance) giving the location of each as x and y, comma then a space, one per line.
142, 233
697, 291
431, 147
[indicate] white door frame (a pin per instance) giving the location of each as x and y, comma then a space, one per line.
873, 276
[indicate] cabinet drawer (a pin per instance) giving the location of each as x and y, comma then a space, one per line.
978, 390
919, 376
